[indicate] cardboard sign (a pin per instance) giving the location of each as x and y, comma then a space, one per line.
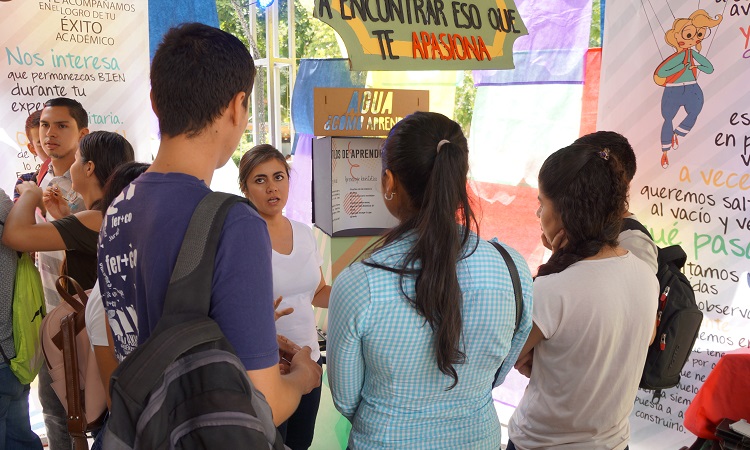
425, 34
347, 192
364, 112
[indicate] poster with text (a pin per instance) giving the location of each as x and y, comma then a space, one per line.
356, 194
93, 51
674, 83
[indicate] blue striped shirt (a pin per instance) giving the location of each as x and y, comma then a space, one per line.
381, 359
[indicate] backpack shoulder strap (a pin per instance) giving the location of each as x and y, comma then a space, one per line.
672, 78
191, 279
673, 254
193, 272
515, 279
632, 224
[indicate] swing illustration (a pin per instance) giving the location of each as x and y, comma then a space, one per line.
678, 72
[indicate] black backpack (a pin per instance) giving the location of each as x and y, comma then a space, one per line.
678, 319
184, 388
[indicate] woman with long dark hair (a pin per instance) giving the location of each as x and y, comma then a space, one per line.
421, 330
594, 311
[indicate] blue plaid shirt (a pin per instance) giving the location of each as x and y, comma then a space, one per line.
381, 359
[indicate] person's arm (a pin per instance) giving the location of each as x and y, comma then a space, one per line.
524, 327
55, 203
22, 233
322, 293
642, 246
547, 315
242, 304
100, 337
525, 359
106, 360
672, 65
283, 392
347, 321
704, 65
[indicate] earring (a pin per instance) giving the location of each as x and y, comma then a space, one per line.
389, 196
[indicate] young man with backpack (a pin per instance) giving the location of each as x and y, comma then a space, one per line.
201, 80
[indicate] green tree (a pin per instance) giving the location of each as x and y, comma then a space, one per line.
465, 94
314, 39
595, 38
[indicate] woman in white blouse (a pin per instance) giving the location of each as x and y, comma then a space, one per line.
298, 282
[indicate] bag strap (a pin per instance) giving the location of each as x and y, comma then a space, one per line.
671, 78
517, 290
674, 254
515, 279
74, 394
192, 278
193, 272
78, 305
632, 224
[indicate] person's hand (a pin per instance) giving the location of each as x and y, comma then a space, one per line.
287, 350
559, 241
524, 363
309, 369
30, 187
55, 203
279, 314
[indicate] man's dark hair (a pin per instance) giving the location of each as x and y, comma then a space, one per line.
76, 110
33, 122
195, 73
618, 146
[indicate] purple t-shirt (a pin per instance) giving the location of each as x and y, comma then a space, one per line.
138, 246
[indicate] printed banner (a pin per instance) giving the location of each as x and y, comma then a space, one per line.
514, 129
94, 51
672, 82
553, 51
425, 34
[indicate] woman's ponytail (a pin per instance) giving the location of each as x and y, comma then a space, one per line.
428, 153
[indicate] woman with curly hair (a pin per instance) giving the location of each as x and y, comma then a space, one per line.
593, 314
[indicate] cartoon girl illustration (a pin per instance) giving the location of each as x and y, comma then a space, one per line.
678, 74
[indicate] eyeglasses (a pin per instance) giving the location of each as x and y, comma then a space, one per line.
690, 32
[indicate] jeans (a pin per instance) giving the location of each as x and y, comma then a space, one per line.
689, 97
299, 429
15, 426
55, 418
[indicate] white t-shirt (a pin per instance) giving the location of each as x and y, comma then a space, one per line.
597, 317
640, 245
295, 278
95, 324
